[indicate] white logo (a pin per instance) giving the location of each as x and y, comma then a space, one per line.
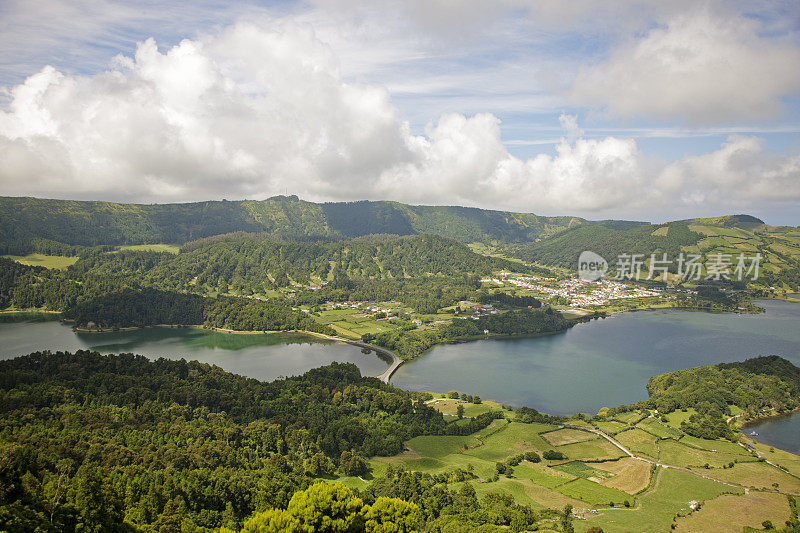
591, 266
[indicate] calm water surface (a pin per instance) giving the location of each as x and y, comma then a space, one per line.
605, 362
264, 357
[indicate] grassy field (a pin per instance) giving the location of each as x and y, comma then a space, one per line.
729, 513
47, 261
639, 442
594, 493
611, 426
578, 469
675, 453
171, 248
659, 429
568, 436
715, 445
756, 475
672, 494
449, 407
515, 438
597, 449
598, 474
353, 323
627, 474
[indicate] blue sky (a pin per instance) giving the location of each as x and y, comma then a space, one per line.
637, 109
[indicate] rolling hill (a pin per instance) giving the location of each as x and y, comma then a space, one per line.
23, 220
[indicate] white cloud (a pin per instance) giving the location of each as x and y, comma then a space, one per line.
701, 67
739, 174
251, 112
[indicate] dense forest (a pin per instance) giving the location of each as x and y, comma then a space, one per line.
254, 263
22, 220
409, 344
760, 386
425, 272
564, 248
99, 443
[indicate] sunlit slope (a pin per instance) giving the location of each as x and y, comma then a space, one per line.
23, 220
729, 235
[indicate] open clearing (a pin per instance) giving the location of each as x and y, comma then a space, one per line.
757, 475
639, 442
171, 248
730, 513
675, 453
598, 449
598, 473
591, 492
48, 261
567, 436
673, 492
629, 475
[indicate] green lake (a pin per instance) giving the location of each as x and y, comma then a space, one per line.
263, 357
604, 362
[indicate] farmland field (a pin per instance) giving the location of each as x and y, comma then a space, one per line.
629, 475
567, 436
639, 442
596, 449
48, 261
673, 491
728, 513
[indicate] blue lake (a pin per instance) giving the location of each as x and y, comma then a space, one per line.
601, 363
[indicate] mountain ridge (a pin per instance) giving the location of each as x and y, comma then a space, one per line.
93, 223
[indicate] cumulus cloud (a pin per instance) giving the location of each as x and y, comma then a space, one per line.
740, 173
252, 112
701, 67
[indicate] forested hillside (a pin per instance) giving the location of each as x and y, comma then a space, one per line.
426, 272
119, 443
729, 236
762, 386
23, 220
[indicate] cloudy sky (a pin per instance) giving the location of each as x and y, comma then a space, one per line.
634, 109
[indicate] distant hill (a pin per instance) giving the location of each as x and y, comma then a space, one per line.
733, 235
106, 223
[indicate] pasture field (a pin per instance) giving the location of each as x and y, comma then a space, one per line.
612, 427
449, 407
715, 445
171, 248
628, 474
639, 442
581, 469
659, 429
353, 323
729, 514
672, 493
675, 453
593, 493
757, 475
598, 473
47, 261
789, 461
438, 446
598, 449
551, 498
515, 438
628, 417
543, 475
561, 437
